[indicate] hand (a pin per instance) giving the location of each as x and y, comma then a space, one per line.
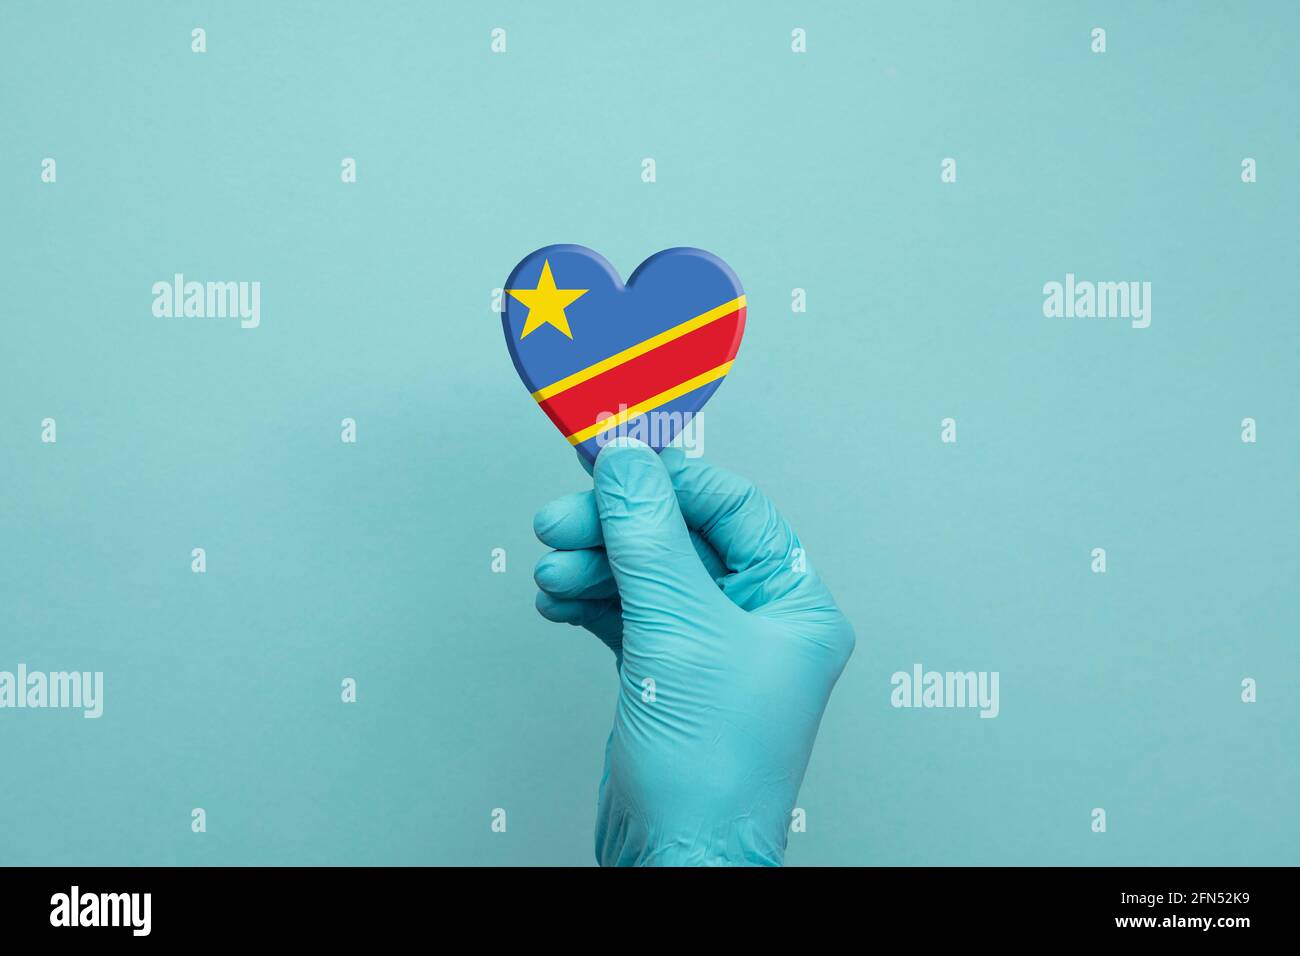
727, 646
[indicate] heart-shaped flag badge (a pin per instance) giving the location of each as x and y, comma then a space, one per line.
604, 359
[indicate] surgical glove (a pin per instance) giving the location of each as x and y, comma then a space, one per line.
727, 646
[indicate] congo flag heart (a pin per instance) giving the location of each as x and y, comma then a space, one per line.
604, 359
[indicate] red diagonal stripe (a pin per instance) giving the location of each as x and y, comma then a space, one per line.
647, 375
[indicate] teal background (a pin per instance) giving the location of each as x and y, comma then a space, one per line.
818, 171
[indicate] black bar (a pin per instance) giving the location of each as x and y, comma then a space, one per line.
979, 905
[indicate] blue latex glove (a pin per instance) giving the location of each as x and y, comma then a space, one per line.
726, 651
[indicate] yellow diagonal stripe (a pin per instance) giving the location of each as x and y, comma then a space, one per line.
677, 391
676, 332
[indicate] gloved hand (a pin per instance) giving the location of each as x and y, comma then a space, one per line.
727, 646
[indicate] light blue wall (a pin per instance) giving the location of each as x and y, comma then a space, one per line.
818, 171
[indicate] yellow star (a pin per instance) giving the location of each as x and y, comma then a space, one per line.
546, 303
